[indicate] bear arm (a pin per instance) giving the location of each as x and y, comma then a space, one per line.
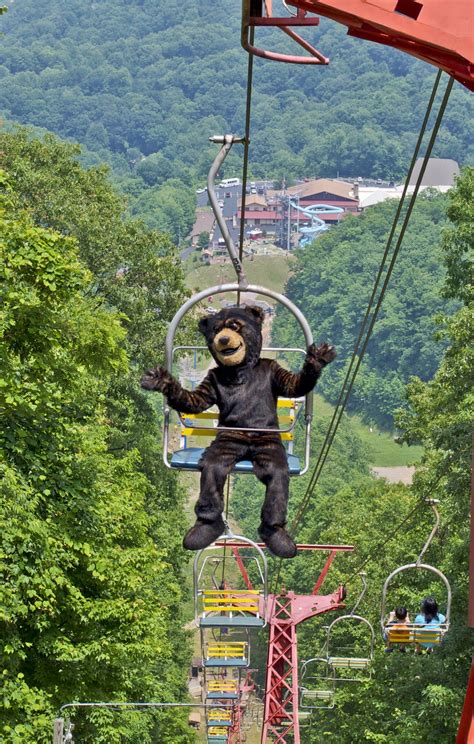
187, 401
295, 384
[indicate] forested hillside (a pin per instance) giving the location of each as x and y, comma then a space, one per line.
333, 281
132, 79
91, 562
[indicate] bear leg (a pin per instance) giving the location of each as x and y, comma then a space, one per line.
271, 467
215, 465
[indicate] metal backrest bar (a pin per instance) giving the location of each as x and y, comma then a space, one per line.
221, 289
421, 567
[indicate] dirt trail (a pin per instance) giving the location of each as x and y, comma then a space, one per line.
401, 474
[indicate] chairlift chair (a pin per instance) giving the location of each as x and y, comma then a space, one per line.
204, 424
354, 668
221, 717
227, 607
414, 633
318, 685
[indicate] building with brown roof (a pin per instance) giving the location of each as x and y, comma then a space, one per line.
325, 191
204, 222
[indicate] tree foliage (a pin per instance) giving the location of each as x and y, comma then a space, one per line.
410, 699
333, 281
91, 569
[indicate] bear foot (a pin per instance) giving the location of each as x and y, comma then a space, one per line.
278, 541
203, 533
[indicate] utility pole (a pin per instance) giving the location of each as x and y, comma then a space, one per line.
288, 236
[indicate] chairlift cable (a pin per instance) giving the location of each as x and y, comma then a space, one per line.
359, 353
389, 536
379, 275
248, 107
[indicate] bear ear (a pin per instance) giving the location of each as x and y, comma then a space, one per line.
256, 313
203, 325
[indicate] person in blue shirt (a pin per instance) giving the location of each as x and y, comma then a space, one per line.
431, 619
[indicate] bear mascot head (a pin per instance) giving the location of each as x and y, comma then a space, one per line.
234, 336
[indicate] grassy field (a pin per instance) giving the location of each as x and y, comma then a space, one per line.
271, 272
383, 449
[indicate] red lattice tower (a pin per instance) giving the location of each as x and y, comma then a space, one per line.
284, 612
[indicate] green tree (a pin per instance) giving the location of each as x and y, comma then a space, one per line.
203, 240
333, 281
88, 593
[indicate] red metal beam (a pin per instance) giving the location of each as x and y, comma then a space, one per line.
324, 572
466, 725
241, 566
440, 33
300, 546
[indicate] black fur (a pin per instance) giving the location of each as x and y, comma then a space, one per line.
246, 396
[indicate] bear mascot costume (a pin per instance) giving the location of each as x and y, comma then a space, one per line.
245, 389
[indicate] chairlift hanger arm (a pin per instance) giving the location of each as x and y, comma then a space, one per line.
432, 503
363, 578
226, 140
259, 13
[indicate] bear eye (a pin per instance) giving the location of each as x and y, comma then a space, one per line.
233, 326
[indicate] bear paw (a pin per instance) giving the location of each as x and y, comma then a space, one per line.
322, 354
203, 533
278, 541
156, 379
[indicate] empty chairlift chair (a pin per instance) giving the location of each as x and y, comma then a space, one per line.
352, 657
219, 717
222, 689
226, 654
318, 686
217, 735
228, 607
